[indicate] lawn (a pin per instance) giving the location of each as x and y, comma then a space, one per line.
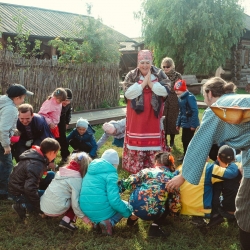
37, 233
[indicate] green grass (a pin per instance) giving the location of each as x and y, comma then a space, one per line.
37, 233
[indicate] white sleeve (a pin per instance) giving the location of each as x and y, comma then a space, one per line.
159, 90
133, 91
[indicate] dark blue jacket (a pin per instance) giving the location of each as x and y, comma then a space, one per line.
188, 114
39, 129
87, 137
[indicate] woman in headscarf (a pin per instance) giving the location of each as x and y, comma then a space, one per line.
171, 108
145, 90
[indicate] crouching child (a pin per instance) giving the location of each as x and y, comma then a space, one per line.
99, 198
62, 195
30, 177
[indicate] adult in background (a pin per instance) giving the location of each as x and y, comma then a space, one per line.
171, 107
63, 125
145, 89
213, 130
33, 129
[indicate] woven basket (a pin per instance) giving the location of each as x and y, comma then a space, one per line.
232, 115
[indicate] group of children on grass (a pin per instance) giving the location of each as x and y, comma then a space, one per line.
87, 187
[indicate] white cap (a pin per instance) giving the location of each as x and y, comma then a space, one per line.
108, 128
82, 123
111, 156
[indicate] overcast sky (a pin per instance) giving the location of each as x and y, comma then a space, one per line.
118, 14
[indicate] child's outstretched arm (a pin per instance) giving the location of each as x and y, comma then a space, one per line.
75, 193
132, 181
220, 173
114, 197
102, 140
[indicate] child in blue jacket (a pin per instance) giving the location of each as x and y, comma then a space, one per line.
82, 138
99, 198
188, 118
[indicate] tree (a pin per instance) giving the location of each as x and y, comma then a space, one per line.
198, 35
97, 43
21, 43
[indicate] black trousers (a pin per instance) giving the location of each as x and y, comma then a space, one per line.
62, 139
187, 135
244, 240
79, 145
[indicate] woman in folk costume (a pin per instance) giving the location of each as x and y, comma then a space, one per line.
145, 89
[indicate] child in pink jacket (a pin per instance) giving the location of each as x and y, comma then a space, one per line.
51, 109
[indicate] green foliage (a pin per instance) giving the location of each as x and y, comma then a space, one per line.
198, 35
97, 46
21, 41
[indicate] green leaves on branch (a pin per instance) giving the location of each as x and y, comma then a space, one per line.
21, 43
95, 43
198, 35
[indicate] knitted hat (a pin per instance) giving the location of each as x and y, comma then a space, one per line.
180, 85
16, 90
82, 123
145, 55
111, 156
69, 93
226, 154
108, 128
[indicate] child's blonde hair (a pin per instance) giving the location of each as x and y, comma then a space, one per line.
59, 93
165, 159
83, 160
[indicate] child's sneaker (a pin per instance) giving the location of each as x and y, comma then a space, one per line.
21, 211
106, 227
198, 221
97, 228
131, 222
214, 221
156, 231
70, 226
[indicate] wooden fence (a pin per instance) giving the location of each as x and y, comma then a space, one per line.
93, 85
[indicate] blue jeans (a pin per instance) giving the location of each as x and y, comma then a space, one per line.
116, 217
6, 167
44, 183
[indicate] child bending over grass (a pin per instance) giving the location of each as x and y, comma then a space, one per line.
62, 195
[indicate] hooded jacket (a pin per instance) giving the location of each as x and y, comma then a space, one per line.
63, 193
188, 115
8, 119
99, 197
26, 175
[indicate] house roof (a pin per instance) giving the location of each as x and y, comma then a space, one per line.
45, 23
247, 22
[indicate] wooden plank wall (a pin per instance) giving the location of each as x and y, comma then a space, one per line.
93, 85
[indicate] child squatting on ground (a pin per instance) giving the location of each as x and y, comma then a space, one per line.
51, 109
198, 200
30, 177
15, 95
62, 195
99, 198
115, 129
82, 138
188, 118
149, 198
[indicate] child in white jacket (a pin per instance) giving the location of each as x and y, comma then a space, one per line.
62, 195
